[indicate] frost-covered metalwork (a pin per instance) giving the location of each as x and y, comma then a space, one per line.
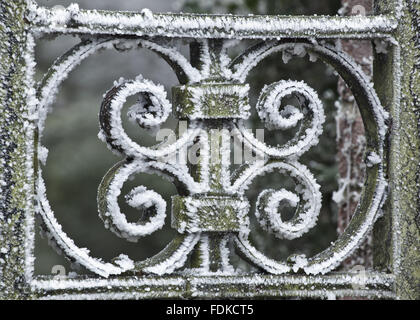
211, 212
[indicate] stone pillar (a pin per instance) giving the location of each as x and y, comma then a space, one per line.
16, 181
402, 219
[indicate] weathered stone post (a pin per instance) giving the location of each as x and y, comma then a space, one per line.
15, 166
403, 219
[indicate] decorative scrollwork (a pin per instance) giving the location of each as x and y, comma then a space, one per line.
151, 110
307, 203
153, 94
211, 209
305, 215
148, 202
311, 113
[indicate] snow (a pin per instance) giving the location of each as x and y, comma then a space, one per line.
206, 26
42, 154
29, 116
147, 13
152, 109
299, 262
67, 245
328, 259
139, 198
373, 159
175, 57
268, 110
61, 69
269, 104
204, 253
381, 46
269, 218
210, 287
178, 258
145, 114
124, 262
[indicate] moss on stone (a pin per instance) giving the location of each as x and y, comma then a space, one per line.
18, 186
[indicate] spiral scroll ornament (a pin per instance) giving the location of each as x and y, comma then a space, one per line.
211, 211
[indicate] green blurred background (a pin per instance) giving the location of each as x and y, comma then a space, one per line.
78, 160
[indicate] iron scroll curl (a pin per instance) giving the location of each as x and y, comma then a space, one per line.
141, 159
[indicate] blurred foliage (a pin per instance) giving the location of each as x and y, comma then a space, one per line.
284, 7
78, 159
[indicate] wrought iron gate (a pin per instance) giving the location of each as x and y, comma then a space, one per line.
211, 208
